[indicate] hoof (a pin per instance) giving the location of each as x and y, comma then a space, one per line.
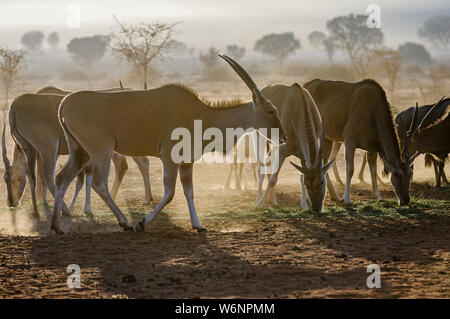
89, 214
57, 230
127, 228
139, 227
200, 229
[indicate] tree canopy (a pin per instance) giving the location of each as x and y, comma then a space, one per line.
279, 46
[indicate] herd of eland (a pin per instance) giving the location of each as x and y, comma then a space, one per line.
312, 122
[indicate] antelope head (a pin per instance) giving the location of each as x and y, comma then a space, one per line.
402, 174
14, 175
264, 113
314, 176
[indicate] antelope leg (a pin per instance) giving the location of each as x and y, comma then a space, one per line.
78, 187
363, 167
350, 168
87, 203
170, 178
436, 173
144, 167
186, 181
239, 176
304, 201
121, 167
100, 171
230, 172
372, 160
280, 156
334, 153
31, 162
329, 146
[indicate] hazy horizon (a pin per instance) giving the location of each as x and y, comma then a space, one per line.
208, 23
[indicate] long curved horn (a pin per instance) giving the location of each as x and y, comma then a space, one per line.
410, 160
412, 126
4, 151
419, 127
244, 76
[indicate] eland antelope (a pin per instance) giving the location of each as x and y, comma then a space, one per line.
426, 130
96, 125
304, 127
39, 140
359, 115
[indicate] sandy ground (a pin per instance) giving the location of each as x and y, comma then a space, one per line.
247, 252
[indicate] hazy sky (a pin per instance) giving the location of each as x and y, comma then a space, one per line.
211, 22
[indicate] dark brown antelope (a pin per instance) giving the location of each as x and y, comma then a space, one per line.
359, 115
96, 125
303, 125
426, 130
39, 139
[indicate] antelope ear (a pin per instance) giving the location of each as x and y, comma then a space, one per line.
327, 166
299, 168
255, 97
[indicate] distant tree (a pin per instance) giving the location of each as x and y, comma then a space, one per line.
414, 53
177, 46
235, 51
32, 40
436, 30
88, 49
11, 63
316, 39
139, 44
280, 46
330, 48
390, 61
53, 40
351, 35
210, 58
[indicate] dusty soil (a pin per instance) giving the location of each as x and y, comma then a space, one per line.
247, 252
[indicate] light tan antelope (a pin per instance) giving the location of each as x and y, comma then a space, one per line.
359, 115
244, 151
97, 124
39, 139
304, 127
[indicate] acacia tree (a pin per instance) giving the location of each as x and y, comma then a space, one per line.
390, 61
436, 30
139, 44
53, 40
88, 49
316, 38
32, 40
210, 58
11, 63
280, 45
351, 35
235, 51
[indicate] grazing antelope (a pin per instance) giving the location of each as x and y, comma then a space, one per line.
303, 125
97, 124
359, 115
39, 139
245, 149
426, 130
